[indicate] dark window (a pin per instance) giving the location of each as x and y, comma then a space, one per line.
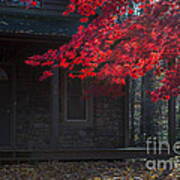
76, 103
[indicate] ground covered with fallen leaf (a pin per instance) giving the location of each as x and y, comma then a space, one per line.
85, 170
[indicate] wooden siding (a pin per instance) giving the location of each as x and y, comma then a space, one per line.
54, 4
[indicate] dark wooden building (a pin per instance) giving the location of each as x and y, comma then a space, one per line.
49, 119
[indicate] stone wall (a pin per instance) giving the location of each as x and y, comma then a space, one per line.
33, 118
32, 109
103, 132
108, 120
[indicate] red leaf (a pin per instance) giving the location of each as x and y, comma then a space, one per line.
34, 3
84, 20
131, 11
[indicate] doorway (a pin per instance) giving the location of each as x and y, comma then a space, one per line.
6, 105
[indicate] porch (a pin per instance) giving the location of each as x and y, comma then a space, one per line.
32, 124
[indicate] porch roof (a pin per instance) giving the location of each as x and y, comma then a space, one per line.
37, 26
37, 22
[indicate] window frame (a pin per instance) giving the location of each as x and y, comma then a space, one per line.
64, 104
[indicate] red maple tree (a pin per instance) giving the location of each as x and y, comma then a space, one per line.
111, 51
